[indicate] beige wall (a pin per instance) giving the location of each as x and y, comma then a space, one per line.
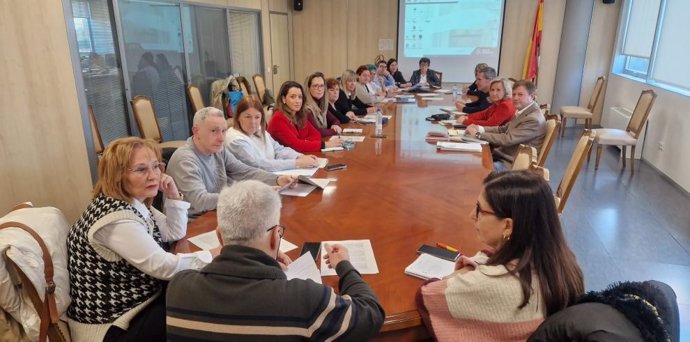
42, 150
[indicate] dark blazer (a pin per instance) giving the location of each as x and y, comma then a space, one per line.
398, 77
430, 77
342, 117
346, 104
481, 104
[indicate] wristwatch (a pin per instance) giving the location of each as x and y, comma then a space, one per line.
478, 135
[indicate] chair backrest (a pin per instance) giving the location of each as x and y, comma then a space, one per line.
596, 93
195, 97
145, 116
573, 168
552, 126
641, 113
95, 133
439, 75
260, 86
526, 156
244, 85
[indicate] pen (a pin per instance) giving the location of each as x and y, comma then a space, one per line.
443, 245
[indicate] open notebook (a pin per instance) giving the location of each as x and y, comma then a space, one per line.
428, 266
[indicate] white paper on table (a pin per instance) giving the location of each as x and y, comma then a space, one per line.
361, 257
303, 172
435, 98
458, 146
448, 109
404, 96
352, 138
353, 130
442, 91
322, 162
304, 268
366, 120
318, 182
447, 122
301, 190
373, 116
332, 149
206, 241
286, 246
387, 99
427, 266
427, 95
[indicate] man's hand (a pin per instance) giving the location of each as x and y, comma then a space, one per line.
471, 130
335, 254
286, 181
283, 260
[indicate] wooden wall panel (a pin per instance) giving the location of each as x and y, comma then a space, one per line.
43, 155
370, 21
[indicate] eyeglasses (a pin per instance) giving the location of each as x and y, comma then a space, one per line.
143, 169
281, 229
479, 210
317, 86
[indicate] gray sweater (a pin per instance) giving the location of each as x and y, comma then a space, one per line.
200, 178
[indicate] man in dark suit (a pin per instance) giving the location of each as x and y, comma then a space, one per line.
528, 127
424, 75
483, 80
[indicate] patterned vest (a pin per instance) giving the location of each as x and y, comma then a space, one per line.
102, 290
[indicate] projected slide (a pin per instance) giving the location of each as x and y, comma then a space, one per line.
469, 31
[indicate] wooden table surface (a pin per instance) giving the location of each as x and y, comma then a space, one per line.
399, 192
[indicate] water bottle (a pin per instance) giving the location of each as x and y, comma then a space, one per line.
455, 92
379, 123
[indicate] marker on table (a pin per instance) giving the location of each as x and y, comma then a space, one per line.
450, 248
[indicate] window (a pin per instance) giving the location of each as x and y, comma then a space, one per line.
651, 47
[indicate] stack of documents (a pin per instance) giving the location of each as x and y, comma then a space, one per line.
305, 186
361, 257
352, 131
304, 172
428, 266
350, 138
458, 146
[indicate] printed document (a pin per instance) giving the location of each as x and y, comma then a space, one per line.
361, 256
304, 268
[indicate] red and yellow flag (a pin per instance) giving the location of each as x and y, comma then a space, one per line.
530, 70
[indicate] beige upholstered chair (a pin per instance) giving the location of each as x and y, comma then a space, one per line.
147, 122
526, 156
586, 113
195, 97
260, 86
619, 137
95, 133
244, 85
573, 169
552, 125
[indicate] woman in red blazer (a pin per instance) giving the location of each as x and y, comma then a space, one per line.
501, 110
289, 125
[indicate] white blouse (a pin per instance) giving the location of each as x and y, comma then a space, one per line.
267, 155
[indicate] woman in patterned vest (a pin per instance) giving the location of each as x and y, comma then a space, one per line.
118, 264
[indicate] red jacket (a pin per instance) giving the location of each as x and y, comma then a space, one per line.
305, 139
496, 115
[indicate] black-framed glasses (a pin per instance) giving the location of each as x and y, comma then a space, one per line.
281, 229
479, 210
143, 169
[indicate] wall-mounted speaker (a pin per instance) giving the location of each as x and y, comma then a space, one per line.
609, 1
298, 5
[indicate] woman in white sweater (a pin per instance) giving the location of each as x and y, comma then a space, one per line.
251, 144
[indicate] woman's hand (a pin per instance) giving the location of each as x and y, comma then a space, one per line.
306, 161
351, 115
337, 129
334, 142
168, 188
461, 118
460, 105
465, 262
371, 109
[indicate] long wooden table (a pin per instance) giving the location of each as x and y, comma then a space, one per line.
399, 192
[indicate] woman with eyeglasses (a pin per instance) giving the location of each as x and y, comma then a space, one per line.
527, 274
316, 106
117, 259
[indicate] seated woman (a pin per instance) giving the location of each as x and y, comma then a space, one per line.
316, 106
289, 125
397, 75
333, 93
425, 76
501, 110
347, 100
117, 262
529, 274
472, 89
248, 140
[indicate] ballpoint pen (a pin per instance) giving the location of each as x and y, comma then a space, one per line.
447, 247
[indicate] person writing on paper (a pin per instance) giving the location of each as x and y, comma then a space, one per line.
527, 127
260, 303
397, 75
316, 106
289, 125
348, 102
203, 166
528, 274
425, 76
251, 144
117, 259
501, 110
483, 81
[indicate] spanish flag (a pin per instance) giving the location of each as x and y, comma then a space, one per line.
530, 70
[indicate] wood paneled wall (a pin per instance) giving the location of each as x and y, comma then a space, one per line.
43, 155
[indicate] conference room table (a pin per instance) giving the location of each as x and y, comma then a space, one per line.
399, 192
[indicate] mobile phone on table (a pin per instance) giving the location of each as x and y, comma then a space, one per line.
311, 247
438, 252
334, 167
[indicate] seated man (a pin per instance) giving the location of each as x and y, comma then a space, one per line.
425, 76
243, 294
527, 127
383, 77
203, 166
483, 81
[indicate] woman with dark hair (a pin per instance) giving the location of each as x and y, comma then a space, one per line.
528, 274
289, 124
333, 93
248, 140
316, 106
397, 75
425, 76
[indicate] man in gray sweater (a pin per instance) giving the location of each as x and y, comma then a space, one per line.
203, 166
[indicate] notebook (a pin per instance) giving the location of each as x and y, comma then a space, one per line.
428, 266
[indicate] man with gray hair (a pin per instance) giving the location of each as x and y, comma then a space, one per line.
243, 295
203, 166
482, 80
